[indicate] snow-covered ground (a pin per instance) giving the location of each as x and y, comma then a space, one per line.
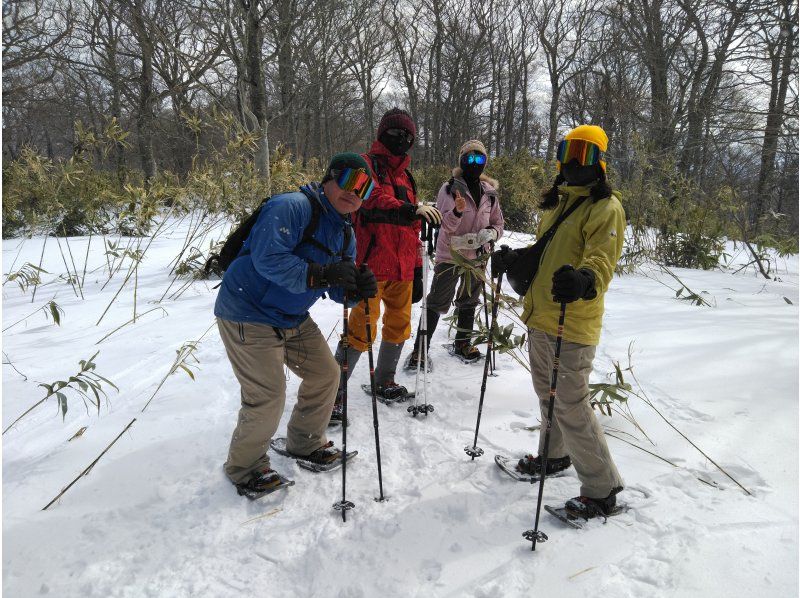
156, 517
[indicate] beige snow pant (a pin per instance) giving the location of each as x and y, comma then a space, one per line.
575, 430
258, 353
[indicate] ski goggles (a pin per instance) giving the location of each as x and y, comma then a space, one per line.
356, 180
478, 159
401, 134
585, 152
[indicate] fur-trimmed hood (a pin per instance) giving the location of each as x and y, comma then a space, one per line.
459, 174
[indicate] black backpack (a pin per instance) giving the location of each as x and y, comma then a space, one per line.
217, 263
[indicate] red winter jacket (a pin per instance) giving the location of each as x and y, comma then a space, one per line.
395, 252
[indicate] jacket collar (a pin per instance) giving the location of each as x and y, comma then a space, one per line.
577, 190
397, 164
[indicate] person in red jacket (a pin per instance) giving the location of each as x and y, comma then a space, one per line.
387, 231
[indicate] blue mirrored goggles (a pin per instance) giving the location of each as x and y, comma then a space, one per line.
479, 159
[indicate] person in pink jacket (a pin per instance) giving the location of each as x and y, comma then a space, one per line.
471, 221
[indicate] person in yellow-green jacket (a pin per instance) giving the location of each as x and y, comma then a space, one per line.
576, 267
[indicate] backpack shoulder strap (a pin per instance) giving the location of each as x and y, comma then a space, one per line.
374, 162
413, 182
548, 234
348, 235
311, 228
313, 225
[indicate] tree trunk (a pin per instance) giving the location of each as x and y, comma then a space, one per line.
256, 86
145, 116
781, 75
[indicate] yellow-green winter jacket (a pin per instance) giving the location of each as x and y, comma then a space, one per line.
591, 237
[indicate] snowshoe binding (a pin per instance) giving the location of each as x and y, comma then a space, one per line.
325, 458
389, 392
529, 468
464, 351
577, 511
262, 483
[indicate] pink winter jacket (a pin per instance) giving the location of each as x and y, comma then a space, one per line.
472, 220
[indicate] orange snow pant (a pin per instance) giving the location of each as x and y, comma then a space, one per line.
396, 297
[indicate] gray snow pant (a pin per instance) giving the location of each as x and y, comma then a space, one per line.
575, 430
443, 287
258, 353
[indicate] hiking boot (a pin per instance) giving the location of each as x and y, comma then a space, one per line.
261, 481
391, 390
531, 465
324, 455
466, 351
337, 415
587, 508
414, 360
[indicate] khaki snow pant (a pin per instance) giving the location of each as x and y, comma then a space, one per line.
258, 353
575, 430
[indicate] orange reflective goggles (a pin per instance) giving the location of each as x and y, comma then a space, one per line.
356, 180
585, 152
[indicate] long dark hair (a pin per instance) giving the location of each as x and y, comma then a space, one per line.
550, 197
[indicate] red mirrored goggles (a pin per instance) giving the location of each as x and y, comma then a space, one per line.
356, 180
585, 152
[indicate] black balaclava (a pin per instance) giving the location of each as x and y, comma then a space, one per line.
472, 176
578, 175
398, 146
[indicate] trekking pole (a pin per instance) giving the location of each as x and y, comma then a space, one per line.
344, 505
424, 408
372, 376
492, 364
474, 450
534, 535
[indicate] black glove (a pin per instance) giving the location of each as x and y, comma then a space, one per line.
570, 284
408, 213
338, 274
366, 283
418, 289
503, 259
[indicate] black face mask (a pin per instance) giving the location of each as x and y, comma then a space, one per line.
398, 146
580, 175
472, 172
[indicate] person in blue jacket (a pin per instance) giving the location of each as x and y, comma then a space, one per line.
262, 315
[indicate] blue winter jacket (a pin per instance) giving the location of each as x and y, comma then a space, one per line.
266, 283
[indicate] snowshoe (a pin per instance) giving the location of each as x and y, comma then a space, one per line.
510, 466
588, 508
325, 458
576, 511
389, 393
578, 522
262, 483
413, 359
530, 465
464, 351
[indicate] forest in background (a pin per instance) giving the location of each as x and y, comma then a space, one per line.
114, 110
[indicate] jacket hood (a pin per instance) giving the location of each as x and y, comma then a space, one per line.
459, 173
